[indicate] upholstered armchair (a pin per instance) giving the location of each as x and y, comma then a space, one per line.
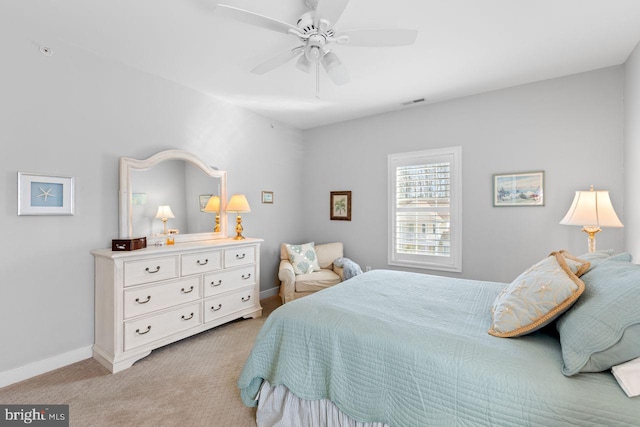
294, 286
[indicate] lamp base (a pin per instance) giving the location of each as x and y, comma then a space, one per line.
591, 231
239, 229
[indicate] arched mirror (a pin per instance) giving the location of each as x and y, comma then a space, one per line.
178, 180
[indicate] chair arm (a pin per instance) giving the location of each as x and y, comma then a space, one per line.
287, 281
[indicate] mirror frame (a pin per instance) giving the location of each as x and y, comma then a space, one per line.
128, 164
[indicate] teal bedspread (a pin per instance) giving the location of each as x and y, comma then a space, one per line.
413, 350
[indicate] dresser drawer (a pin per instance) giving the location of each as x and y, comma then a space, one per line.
239, 256
201, 262
143, 331
150, 270
219, 306
145, 299
222, 281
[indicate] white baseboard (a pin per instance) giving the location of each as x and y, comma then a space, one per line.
269, 292
42, 366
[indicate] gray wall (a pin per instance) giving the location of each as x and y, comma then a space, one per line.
632, 154
77, 114
569, 127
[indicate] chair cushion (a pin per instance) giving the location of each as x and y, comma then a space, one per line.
328, 252
316, 281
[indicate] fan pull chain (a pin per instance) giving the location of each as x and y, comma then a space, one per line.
318, 80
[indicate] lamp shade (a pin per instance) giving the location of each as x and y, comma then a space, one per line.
164, 212
592, 209
213, 205
238, 203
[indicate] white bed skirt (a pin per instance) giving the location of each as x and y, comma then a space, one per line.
278, 406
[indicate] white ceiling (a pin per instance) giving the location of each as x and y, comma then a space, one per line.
463, 47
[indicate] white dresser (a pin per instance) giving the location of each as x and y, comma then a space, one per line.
148, 298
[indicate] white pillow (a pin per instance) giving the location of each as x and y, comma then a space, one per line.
628, 376
303, 258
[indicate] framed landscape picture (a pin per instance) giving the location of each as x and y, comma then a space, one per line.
340, 205
518, 189
45, 194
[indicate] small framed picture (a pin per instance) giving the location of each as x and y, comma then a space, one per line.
267, 197
45, 194
518, 189
204, 199
340, 205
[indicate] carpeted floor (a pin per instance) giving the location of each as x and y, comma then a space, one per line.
188, 383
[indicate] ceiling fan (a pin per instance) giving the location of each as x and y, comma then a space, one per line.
316, 35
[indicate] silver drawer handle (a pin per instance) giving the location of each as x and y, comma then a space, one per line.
246, 299
145, 332
240, 256
149, 271
206, 261
214, 284
143, 302
216, 308
187, 318
186, 292
248, 276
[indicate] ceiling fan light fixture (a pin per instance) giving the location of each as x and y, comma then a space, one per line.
336, 70
313, 53
331, 61
303, 64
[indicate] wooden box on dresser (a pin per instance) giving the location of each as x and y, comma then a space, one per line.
151, 297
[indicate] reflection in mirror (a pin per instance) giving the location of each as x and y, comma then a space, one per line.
171, 178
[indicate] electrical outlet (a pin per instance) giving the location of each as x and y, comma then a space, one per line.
367, 268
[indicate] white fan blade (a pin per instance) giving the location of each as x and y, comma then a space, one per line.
277, 60
254, 19
329, 10
335, 69
380, 37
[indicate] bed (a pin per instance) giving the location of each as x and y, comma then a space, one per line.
406, 349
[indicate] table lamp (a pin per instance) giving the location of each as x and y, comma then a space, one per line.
213, 206
238, 203
164, 213
592, 210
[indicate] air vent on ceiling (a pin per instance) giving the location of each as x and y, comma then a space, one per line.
415, 101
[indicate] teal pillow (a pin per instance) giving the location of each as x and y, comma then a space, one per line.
596, 257
538, 296
603, 328
624, 256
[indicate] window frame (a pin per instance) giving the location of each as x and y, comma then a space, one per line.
453, 262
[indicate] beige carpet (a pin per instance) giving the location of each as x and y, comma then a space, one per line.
188, 383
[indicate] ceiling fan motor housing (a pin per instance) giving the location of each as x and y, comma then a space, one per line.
306, 24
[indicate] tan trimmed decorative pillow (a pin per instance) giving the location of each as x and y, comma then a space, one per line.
538, 296
579, 266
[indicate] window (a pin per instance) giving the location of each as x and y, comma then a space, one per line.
425, 209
